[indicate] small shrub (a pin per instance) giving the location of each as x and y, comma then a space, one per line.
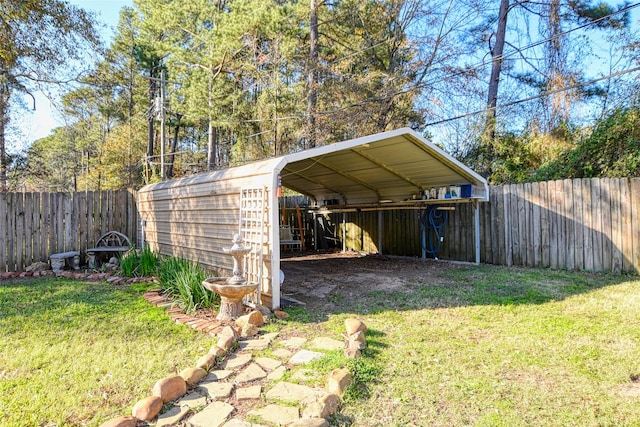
182, 279
134, 265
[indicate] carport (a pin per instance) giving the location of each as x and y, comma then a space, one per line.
196, 217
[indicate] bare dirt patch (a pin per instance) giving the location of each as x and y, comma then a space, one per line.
320, 279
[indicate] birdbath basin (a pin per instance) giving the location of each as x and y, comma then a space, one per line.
232, 289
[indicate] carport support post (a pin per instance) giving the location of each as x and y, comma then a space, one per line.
380, 219
476, 220
344, 232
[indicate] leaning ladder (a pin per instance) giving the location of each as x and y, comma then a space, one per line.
253, 220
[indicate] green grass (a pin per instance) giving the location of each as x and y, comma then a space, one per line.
182, 279
494, 346
77, 353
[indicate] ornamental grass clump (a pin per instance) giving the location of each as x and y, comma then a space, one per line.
182, 280
144, 264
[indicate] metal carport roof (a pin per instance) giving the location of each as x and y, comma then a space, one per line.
381, 168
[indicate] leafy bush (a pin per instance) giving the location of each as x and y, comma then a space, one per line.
182, 279
129, 263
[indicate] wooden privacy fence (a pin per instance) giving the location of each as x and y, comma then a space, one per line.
575, 224
35, 225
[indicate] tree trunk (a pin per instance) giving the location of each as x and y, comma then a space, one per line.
4, 118
496, 69
211, 130
174, 147
311, 75
150, 136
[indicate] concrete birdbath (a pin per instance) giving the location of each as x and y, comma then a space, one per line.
232, 289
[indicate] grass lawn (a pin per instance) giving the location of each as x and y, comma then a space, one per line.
79, 353
496, 346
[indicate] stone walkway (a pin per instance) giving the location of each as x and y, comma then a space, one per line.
263, 383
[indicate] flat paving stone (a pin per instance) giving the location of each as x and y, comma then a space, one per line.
326, 343
277, 374
214, 415
282, 353
268, 363
173, 416
251, 373
290, 392
218, 375
251, 392
193, 400
237, 422
235, 361
277, 414
216, 390
305, 356
256, 344
294, 342
270, 336
304, 375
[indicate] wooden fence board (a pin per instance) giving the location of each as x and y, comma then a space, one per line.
543, 189
3, 232
577, 223
28, 228
596, 224
627, 233
20, 231
507, 225
635, 222
616, 226
587, 223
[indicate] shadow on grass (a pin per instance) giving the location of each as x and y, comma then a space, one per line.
426, 284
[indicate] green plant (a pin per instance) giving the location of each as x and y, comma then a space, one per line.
182, 279
148, 262
129, 263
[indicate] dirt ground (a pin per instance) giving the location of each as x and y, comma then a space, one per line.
318, 278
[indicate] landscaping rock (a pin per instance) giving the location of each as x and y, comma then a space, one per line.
249, 330
294, 342
251, 373
327, 405
268, 363
173, 416
193, 375
216, 390
207, 361
121, 422
218, 375
213, 415
326, 343
37, 266
290, 392
254, 318
277, 374
217, 351
170, 388
282, 353
227, 337
147, 408
266, 311
305, 356
193, 400
281, 314
236, 361
277, 414
354, 325
310, 422
338, 380
252, 392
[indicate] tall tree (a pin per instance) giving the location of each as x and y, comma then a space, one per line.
36, 39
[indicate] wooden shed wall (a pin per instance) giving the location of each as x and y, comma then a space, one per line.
195, 218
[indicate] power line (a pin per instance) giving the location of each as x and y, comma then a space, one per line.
531, 98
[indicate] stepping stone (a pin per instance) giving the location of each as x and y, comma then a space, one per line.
326, 343
219, 375
173, 416
256, 344
290, 392
277, 374
214, 415
236, 422
252, 372
305, 356
304, 375
277, 414
268, 364
270, 336
252, 392
235, 361
216, 390
282, 353
294, 342
193, 400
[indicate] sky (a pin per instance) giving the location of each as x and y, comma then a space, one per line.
37, 124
